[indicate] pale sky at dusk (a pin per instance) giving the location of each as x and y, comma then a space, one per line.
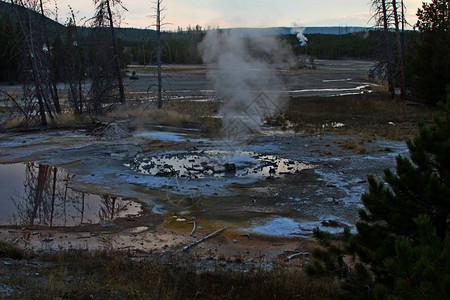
243, 13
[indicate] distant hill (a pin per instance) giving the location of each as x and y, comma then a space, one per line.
289, 30
128, 34
136, 34
138, 45
13, 11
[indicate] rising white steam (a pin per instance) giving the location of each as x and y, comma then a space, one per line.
243, 73
300, 36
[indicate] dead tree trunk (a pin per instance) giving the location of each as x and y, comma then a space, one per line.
74, 65
403, 29
390, 69
37, 81
399, 49
38, 64
51, 80
55, 171
116, 54
158, 51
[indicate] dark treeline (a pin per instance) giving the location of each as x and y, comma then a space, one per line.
182, 47
178, 48
35, 48
138, 46
359, 45
40, 54
10, 53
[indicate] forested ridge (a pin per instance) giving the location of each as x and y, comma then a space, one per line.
137, 46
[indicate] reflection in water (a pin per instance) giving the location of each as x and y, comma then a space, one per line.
46, 199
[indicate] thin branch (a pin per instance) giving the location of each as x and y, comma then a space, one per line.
15, 102
187, 247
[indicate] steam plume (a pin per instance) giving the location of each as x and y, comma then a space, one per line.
243, 73
299, 31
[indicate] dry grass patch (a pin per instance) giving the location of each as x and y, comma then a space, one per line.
107, 275
10, 250
176, 113
352, 145
59, 120
366, 116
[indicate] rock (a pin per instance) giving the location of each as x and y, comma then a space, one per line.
230, 167
6, 291
331, 223
112, 131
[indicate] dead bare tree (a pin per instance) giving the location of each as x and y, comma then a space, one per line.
398, 38
385, 65
15, 102
158, 50
105, 15
73, 65
389, 15
159, 24
35, 49
52, 84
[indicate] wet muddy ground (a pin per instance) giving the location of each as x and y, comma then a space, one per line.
279, 184
330, 78
66, 189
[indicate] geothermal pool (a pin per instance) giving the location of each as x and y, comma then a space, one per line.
279, 184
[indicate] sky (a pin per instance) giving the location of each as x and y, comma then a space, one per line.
241, 13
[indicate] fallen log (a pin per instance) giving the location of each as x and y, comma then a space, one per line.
247, 235
187, 247
143, 251
193, 229
296, 254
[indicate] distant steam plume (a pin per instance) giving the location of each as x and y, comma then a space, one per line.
300, 36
